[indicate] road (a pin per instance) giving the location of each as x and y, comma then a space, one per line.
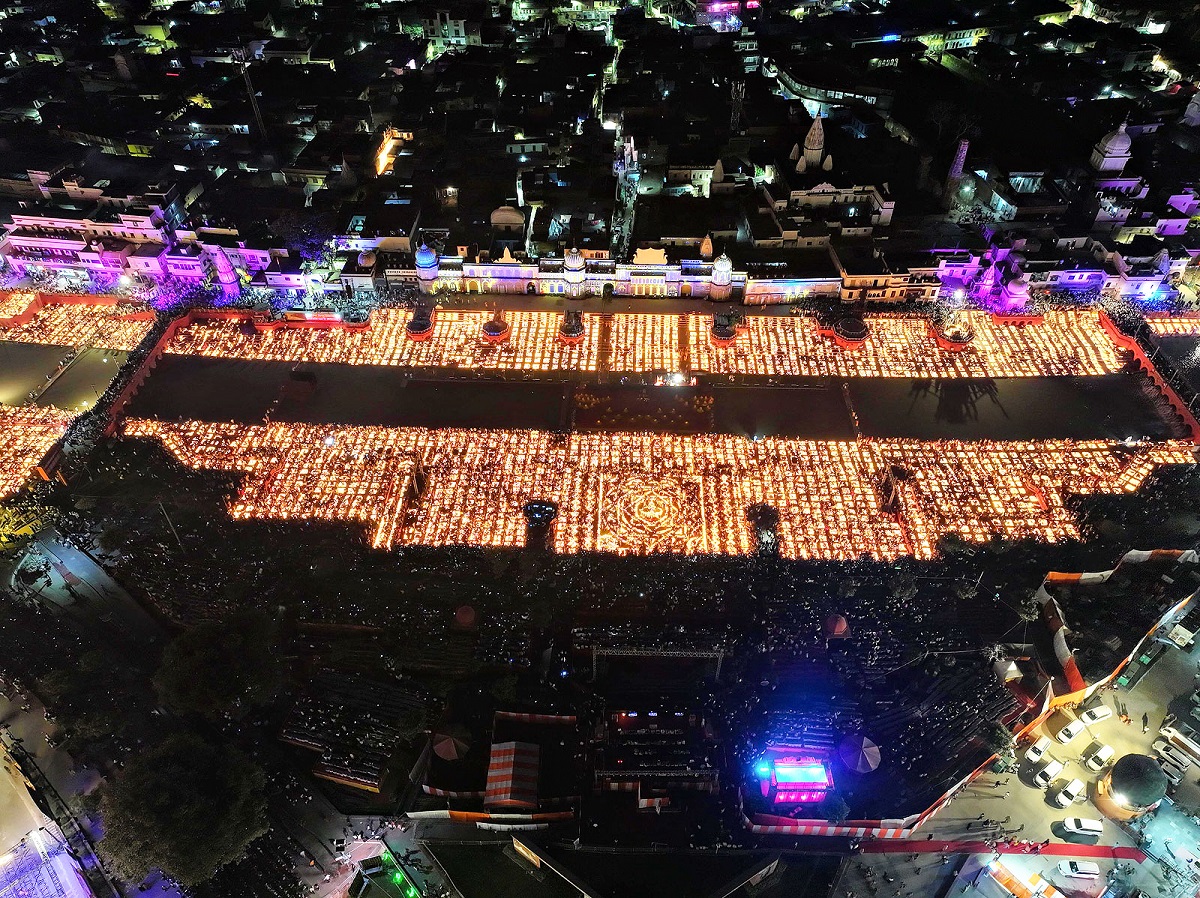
78, 585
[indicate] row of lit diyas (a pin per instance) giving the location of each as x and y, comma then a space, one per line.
14, 303
454, 343
644, 342
638, 492
26, 434
1175, 326
978, 490
74, 324
1065, 343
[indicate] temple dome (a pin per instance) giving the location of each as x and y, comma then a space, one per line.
1115, 143
815, 139
366, 259
508, 218
573, 260
426, 257
722, 263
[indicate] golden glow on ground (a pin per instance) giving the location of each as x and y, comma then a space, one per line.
636, 492
13, 304
455, 343
26, 435
1180, 326
75, 324
1067, 343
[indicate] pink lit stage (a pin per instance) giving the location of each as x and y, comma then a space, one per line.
793, 780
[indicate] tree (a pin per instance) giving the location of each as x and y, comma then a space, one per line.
306, 233
504, 690
834, 808
1028, 608
219, 667
411, 723
966, 124
940, 115
998, 738
904, 586
96, 699
185, 806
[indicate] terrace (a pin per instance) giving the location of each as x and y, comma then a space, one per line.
1071, 343
73, 324
26, 435
638, 493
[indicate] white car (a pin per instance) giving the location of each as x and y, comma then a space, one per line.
1078, 869
1047, 773
1069, 794
1069, 732
1096, 714
1165, 749
1096, 756
1039, 748
1083, 826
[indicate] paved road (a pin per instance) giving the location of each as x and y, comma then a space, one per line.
78, 585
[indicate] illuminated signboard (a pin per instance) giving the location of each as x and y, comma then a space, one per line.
801, 774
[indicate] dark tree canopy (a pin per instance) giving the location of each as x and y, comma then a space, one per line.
185, 806
305, 232
96, 698
220, 667
834, 808
411, 723
998, 738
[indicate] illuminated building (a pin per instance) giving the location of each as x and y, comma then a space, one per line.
793, 780
1113, 151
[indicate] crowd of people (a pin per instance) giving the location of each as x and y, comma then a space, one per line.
354, 723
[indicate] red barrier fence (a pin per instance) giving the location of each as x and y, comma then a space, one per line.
1147, 367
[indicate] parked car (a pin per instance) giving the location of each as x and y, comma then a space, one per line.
1070, 793
1047, 772
1069, 732
1165, 749
1039, 748
1096, 756
1078, 869
1096, 714
1084, 826
1173, 772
